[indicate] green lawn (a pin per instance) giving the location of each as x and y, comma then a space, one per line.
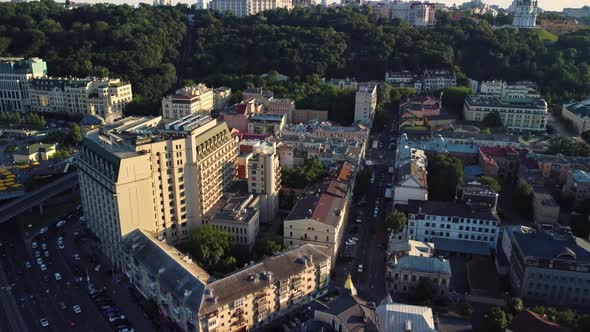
546, 35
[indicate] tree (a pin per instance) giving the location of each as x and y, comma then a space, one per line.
492, 120
445, 173
522, 198
586, 136
454, 99
492, 182
568, 147
209, 244
495, 320
425, 292
396, 221
515, 306
268, 248
75, 134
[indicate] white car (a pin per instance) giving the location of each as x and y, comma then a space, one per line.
60, 245
360, 269
60, 239
358, 220
76, 257
39, 261
34, 244
28, 264
43, 267
44, 322
37, 254
57, 276
77, 309
82, 219
97, 268
43, 246
46, 253
60, 223
43, 230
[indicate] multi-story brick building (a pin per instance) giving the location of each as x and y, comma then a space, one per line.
187, 295
189, 100
320, 213
104, 97
139, 173
281, 106
15, 77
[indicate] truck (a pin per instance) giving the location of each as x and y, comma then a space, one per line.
390, 170
375, 144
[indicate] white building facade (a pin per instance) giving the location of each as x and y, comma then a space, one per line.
15, 77
525, 13
365, 104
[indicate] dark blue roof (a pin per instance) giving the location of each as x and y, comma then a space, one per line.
543, 244
462, 246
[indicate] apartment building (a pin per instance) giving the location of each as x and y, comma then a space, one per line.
249, 7
557, 168
264, 179
344, 83
578, 113
545, 209
140, 173
415, 13
404, 79
221, 97
104, 97
577, 187
320, 213
327, 129
237, 215
519, 105
188, 296
434, 80
365, 104
281, 106
198, 99
265, 291
15, 77
548, 265
458, 223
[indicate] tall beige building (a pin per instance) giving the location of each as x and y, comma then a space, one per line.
188, 100
249, 7
15, 77
139, 173
105, 97
264, 178
365, 104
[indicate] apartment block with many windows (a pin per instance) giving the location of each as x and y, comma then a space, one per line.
104, 97
249, 7
15, 77
264, 178
198, 99
365, 103
139, 173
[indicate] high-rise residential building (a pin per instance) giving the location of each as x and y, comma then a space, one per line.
162, 178
104, 97
198, 99
415, 13
264, 178
15, 76
519, 105
249, 7
525, 13
365, 103
548, 265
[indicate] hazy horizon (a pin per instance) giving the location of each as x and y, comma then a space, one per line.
545, 4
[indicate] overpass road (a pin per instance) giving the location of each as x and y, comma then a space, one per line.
32, 199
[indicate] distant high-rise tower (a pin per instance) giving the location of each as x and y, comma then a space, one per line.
525, 13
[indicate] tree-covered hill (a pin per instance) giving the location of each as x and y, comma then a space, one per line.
143, 45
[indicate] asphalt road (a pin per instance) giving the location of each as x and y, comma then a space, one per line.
36, 294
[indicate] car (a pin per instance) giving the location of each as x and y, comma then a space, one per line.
76, 257
126, 329
72, 323
60, 239
44, 246
27, 264
57, 276
62, 305
34, 244
60, 223
43, 230
360, 269
77, 309
45, 278
37, 254
60, 245
97, 268
39, 261
44, 322
46, 253
82, 219
358, 220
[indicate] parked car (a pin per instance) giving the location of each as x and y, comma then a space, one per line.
44, 322
27, 264
77, 309
43, 230
34, 245
360, 269
57, 276
60, 223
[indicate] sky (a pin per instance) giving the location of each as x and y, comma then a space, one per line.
556, 5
